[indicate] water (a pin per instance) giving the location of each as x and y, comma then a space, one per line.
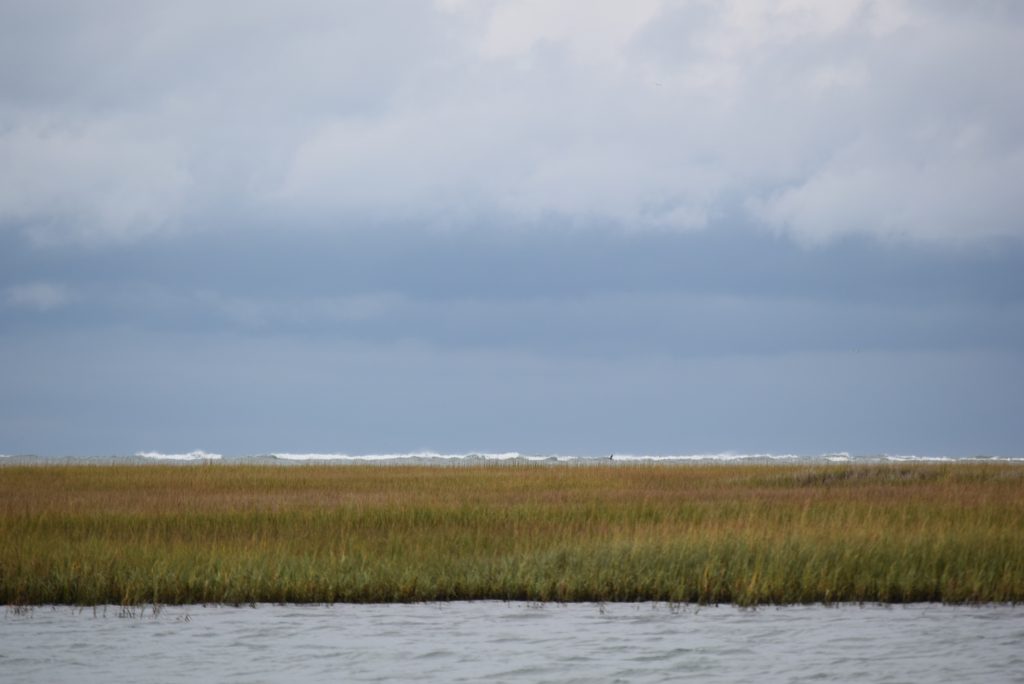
515, 642
437, 458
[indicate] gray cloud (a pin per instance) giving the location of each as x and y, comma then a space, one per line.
98, 394
568, 225
612, 295
900, 120
38, 296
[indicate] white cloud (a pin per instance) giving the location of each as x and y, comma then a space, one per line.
951, 196
666, 115
592, 30
450, 165
93, 180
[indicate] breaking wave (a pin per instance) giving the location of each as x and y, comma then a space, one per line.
838, 457
719, 457
190, 456
418, 456
430, 457
726, 456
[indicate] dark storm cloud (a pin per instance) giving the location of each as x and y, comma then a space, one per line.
678, 295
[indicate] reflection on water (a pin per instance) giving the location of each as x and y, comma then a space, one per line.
514, 642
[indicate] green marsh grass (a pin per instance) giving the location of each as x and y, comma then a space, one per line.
745, 534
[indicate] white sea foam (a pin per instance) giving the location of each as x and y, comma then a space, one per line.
414, 455
914, 458
723, 456
899, 458
191, 456
515, 455
838, 457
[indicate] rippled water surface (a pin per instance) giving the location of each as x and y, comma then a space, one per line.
514, 642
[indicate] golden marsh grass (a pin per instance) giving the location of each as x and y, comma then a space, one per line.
747, 534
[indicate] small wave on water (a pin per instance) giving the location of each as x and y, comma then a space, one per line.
725, 456
482, 456
719, 457
430, 457
415, 455
477, 456
515, 642
190, 456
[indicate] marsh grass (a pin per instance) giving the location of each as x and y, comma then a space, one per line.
748, 534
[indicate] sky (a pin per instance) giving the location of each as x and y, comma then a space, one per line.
551, 226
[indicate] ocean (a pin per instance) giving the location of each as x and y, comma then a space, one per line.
440, 458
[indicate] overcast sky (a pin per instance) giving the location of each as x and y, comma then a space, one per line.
576, 226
